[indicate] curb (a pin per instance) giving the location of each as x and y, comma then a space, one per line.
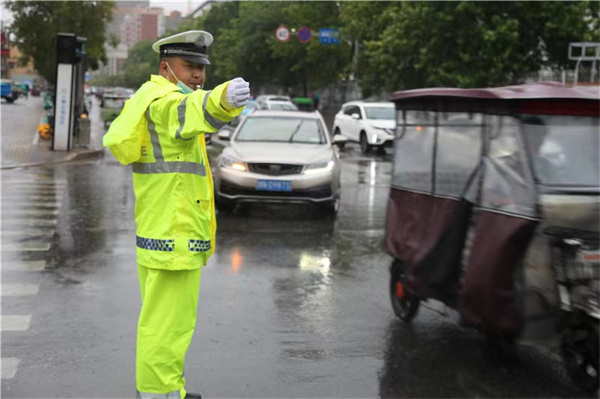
78, 156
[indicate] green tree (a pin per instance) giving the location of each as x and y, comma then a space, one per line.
36, 24
245, 44
313, 64
141, 62
466, 44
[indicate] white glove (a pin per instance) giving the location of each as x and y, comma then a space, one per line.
237, 94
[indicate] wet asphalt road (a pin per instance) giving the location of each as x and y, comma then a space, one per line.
291, 305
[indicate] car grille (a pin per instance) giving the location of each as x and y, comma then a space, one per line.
275, 169
322, 191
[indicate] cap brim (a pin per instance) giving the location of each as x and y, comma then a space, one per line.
196, 59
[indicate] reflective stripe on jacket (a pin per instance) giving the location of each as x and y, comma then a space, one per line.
160, 132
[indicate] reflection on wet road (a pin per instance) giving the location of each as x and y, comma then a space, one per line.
292, 304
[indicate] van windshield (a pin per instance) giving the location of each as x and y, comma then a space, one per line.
565, 150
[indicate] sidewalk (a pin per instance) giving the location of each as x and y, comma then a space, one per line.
22, 146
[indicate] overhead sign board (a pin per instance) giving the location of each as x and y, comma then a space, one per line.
282, 33
304, 35
329, 36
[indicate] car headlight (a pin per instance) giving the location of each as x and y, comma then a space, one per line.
232, 163
319, 167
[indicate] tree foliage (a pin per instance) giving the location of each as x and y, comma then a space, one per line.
466, 44
245, 44
141, 62
385, 45
37, 23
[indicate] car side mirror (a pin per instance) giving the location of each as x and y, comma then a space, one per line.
355, 116
339, 140
224, 135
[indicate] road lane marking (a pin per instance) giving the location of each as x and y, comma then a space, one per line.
36, 183
25, 265
19, 185
25, 247
39, 190
36, 138
20, 289
43, 197
42, 233
9, 367
30, 222
15, 323
6, 205
30, 201
30, 187
32, 212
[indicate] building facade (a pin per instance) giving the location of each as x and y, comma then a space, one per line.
134, 21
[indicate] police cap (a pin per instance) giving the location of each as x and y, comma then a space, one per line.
190, 45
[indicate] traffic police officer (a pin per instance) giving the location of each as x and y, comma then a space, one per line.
160, 132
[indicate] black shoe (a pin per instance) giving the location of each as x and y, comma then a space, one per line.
193, 396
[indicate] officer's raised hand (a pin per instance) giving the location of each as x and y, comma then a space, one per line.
236, 95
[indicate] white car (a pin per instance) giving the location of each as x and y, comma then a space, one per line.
275, 105
276, 102
368, 123
264, 97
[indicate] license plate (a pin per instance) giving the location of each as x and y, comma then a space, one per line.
274, 185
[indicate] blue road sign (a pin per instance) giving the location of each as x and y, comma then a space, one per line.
329, 36
304, 35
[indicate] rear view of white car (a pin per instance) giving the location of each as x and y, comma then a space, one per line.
370, 124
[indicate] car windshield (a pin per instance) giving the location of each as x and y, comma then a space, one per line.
380, 112
283, 106
565, 149
281, 129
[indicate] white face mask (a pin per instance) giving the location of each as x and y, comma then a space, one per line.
185, 88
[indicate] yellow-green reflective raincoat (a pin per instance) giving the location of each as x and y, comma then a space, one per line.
160, 132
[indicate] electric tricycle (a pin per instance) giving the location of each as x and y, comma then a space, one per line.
494, 211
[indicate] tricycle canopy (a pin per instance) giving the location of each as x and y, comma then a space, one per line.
470, 169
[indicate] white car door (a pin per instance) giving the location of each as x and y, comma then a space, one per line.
348, 122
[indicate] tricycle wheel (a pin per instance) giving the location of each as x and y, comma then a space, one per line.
580, 347
404, 303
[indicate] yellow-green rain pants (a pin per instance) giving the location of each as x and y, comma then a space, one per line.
165, 329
